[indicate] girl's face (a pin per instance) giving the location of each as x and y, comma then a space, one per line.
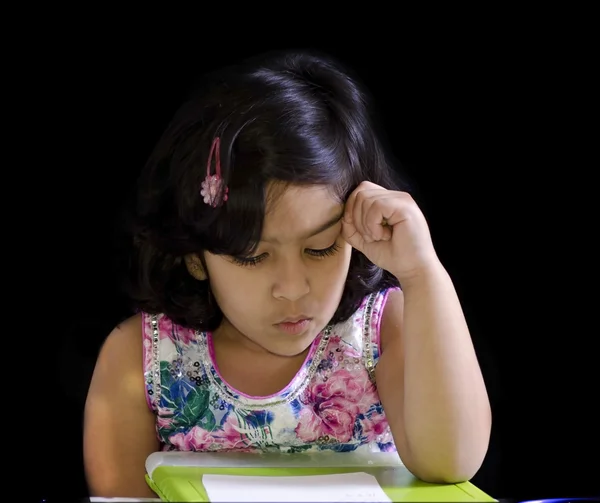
282, 296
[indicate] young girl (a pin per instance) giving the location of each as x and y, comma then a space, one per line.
270, 245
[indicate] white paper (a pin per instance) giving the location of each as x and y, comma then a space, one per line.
349, 487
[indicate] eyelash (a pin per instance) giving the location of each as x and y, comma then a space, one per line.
254, 261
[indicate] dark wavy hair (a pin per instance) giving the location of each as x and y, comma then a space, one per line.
292, 117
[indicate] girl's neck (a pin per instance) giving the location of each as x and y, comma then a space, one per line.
226, 335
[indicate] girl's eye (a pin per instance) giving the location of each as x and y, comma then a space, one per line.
326, 252
249, 261
254, 261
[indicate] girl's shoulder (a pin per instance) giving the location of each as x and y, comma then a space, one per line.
125, 339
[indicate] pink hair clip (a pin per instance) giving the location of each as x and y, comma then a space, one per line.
213, 187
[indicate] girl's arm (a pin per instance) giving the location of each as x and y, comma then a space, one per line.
119, 428
430, 383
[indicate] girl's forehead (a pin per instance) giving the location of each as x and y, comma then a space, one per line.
297, 212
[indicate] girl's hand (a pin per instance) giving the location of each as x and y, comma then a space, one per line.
390, 230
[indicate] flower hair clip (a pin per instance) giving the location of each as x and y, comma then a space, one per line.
214, 190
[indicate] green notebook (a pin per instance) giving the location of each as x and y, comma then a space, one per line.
178, 476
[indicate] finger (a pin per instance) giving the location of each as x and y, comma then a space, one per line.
349, 208
367, 209
361, 203
353, 237
402, 207
350, 202
372, 213
378, 217
380, 230
365, 185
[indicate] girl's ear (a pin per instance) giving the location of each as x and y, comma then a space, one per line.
194, 267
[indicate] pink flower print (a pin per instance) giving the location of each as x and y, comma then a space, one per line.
341, 348
374, 426
181, 441
350, 352
200, 439
164, 418
330, 420
163, 422
332, 406
230, 438
148, 353
231, 430
197, 439
334, 340
168, 330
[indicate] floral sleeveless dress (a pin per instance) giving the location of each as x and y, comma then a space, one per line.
331, 403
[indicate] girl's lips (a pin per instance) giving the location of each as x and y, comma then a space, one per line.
294, 327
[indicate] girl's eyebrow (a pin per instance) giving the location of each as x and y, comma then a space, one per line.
323, 227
